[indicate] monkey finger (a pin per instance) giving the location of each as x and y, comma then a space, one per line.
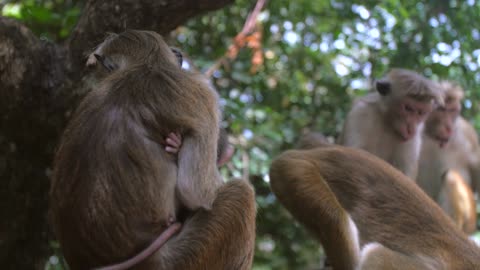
174, 139
172, 150
177, 137
173, 143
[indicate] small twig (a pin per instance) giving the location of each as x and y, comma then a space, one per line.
248, 27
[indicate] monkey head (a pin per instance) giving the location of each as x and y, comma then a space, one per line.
440, 124
408, 99
119, 51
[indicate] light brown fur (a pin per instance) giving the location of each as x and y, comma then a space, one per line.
115, 188
450, 143
330, 188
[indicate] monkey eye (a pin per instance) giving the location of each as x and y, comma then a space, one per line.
408, 108
106, 62
421, 113
179, 55
383, 87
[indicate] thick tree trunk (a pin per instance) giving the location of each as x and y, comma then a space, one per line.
39, 84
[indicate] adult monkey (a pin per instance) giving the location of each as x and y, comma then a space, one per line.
388, 122
366, 214
451, 143
115, 187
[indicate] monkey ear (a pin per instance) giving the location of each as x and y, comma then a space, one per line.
106, 62
179, 55
383, 87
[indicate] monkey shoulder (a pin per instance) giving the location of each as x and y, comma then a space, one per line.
468, 132
363, 118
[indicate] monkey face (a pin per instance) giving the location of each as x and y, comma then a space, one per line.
408, 114
440, 124
120, 51
179, 55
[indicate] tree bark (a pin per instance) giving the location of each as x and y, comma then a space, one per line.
40, 84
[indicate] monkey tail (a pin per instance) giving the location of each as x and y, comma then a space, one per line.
157, 244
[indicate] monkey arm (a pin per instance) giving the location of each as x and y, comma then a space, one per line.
474, 158
406, 159
222, 238
475, 171
356, 131
198, 177
300, 187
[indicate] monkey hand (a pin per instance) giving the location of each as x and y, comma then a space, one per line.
173, 143
225, 156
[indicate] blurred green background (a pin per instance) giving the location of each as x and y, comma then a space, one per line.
314, 57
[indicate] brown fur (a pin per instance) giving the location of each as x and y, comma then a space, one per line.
115, 188
380, 123
325, 187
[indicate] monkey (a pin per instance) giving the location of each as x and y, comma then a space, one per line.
457, 200
388, 122
366, 213
112, 55
115, 188
450, 143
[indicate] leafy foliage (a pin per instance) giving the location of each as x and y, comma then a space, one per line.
317, 56
50, 19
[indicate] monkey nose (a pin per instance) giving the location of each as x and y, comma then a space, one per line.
410, 132
448, 130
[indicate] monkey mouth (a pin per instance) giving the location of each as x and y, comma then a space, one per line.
405, 138
442, 141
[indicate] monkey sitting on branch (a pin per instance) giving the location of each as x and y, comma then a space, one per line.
366, 214
117, 192
389, 121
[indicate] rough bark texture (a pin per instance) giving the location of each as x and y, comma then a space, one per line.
39, 87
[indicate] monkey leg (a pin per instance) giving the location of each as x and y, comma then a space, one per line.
298, 185
221, 238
